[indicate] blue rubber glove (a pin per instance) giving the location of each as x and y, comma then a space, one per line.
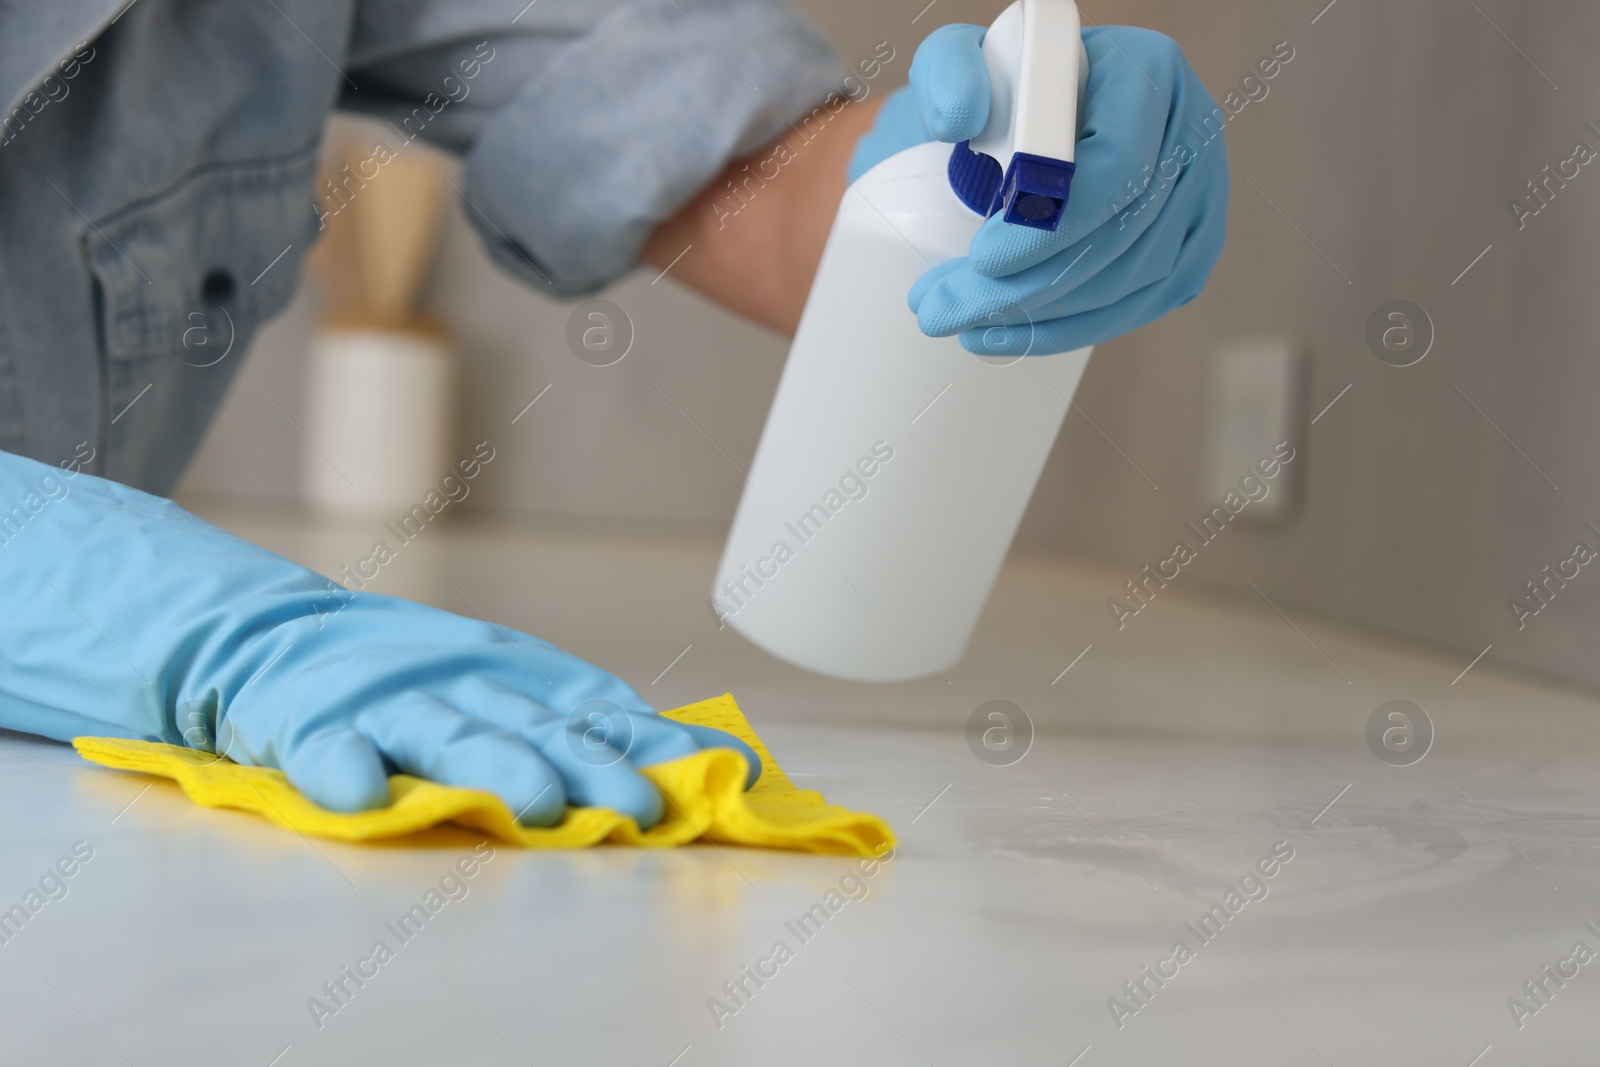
129, 617
1141, 231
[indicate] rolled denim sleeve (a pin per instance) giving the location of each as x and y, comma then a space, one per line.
612, 124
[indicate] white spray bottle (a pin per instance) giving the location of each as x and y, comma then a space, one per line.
894, 467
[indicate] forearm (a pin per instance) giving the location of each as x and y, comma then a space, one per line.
141, 619
751, 239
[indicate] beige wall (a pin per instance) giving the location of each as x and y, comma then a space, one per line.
1388, 149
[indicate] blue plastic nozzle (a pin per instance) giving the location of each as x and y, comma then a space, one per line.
1032, 191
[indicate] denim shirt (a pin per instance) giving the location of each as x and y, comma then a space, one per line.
158, 170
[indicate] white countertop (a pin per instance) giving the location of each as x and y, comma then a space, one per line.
1168, 760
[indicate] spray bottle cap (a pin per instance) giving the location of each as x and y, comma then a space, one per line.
1037, 72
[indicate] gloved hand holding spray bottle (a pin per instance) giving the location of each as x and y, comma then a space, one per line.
895, 466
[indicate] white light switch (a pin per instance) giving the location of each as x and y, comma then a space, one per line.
1257, 402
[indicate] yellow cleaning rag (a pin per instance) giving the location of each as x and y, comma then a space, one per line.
704, 792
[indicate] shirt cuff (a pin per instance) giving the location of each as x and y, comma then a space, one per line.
627, 123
